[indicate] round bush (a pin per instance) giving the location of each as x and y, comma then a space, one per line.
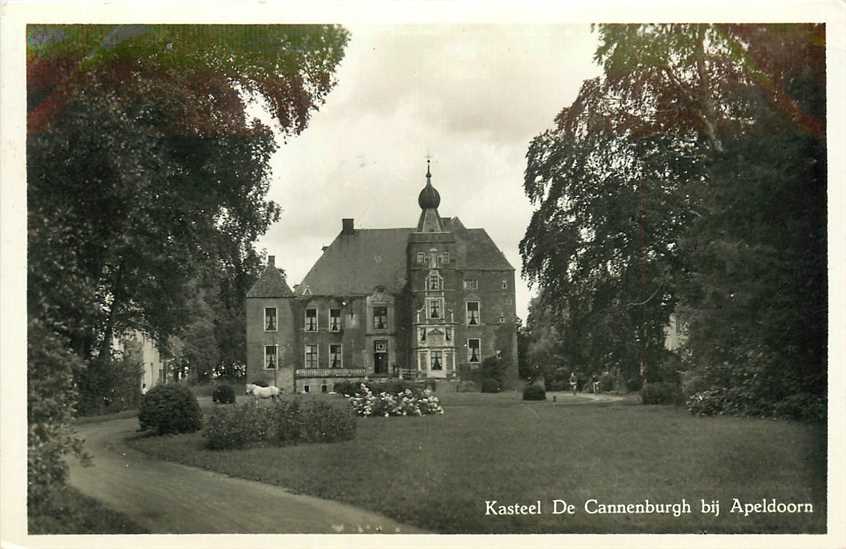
660, 393
224, 394
170, 409
490, 385
534, 392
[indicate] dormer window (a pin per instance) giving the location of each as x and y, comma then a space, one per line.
311, 320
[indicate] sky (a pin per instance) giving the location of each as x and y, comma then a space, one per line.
470, 97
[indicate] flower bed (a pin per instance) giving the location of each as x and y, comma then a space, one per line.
366, 403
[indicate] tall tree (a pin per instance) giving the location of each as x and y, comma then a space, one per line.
691, 177
143, 163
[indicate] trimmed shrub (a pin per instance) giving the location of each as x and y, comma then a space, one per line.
283, 422
224, 394
534, 392
325, 422
661, 393
170, 408
490, 385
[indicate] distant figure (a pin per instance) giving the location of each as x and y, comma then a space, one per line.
143, 388
573, 382
595, 383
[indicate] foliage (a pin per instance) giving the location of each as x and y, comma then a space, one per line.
490, 385
690, 178
147, 178
558, 379
109, 387
392, 386
661, 393
51, 398
282, 422
170, 408
495, 369
224, 394
534, 392
368, 403
733, 401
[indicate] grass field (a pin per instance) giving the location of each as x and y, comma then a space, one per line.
437, 472
74, 513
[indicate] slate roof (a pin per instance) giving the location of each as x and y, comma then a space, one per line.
354, 264
271, 283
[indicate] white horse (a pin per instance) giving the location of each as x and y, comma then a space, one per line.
262, 392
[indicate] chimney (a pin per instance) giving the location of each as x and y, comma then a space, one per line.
271, 261
347, 226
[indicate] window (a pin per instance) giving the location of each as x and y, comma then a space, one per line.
336, 359
306, 388
434, 308
471, 284
504, 284
437, 360
421, 258
311, 320
472, 313
473, 349
448, 333
502, 318
270, 319
434, 281
311, 356
445, 258
324, 388
422, 334
270, 357
334, 320
380, 318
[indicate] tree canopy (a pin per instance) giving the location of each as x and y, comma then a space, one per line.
145, 168
690, 178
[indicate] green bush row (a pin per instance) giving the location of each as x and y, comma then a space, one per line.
279, 423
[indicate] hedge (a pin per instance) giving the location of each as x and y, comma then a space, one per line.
280, 423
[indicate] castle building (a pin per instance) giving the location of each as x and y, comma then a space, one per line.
430, 301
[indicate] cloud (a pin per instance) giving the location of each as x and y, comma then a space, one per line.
471, 96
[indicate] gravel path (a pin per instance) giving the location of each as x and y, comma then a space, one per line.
170, 498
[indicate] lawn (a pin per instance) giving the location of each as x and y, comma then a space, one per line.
74, 513
437, 472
